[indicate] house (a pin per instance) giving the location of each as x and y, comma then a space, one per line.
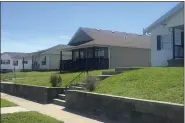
48, 59
13, 60
167, 34
102, 49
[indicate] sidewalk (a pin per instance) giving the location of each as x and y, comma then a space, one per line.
5, 110
52, 110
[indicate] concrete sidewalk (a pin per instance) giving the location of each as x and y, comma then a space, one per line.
52, 110
5, 110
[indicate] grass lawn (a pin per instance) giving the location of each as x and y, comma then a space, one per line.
27, 117
42, 78
5, 103
156, 83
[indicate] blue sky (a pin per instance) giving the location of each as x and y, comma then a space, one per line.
32, 26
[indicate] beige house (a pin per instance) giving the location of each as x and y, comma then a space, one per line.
48, 59
103, 49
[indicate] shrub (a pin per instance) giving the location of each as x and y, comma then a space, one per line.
90, 82
55, 80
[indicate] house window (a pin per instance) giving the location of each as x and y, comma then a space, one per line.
81, 54
15, 62
76, 55
99, 53
89, 53
25, 62
44, 61
5, 61
166, 42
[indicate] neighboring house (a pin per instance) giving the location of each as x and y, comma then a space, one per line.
48, 59
13, 60
167, 34
102, 49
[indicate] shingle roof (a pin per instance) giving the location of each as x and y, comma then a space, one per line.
166, 16
115, 38
16, 55
59, 46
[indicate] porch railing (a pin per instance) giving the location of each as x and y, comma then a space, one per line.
82, 64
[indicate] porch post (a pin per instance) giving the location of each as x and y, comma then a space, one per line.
173, 41
93, 52
60, 61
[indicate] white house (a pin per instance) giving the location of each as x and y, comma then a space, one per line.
167, 35
13, 60
48, 59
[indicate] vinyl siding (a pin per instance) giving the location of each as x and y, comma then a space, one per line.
129, 57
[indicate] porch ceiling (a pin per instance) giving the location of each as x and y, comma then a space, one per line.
181, 27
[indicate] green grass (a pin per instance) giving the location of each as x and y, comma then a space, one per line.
27, 117
5, 103
157, 83
42, 78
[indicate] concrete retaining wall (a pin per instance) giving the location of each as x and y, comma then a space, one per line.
34, 93
126, 110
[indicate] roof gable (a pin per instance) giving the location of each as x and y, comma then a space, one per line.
15, 55
80, 37
165, 17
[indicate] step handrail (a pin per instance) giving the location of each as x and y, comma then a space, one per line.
73, 80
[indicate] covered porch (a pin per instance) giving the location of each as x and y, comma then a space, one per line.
178, 41
85, 58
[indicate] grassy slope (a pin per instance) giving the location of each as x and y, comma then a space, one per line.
163, 84
42, 78
27, 117
5, 103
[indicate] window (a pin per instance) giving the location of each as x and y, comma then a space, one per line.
25, 62
166, 42
76, 55
99, 53
44, 61
5, 61
81, 54
15, 62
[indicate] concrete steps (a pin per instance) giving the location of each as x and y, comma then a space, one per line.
124, 69
110, 72
102, 77
176, 62
74, 87
59, 102
62, 96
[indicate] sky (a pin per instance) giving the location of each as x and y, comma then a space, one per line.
33, 26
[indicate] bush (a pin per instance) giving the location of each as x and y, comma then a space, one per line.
90, 82
55, 80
